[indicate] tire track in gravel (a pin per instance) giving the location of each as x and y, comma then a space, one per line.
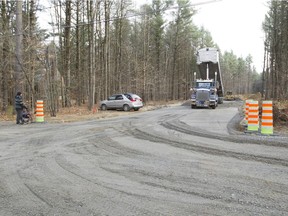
112, 147
71, 169
75, 172
213, 195
182, 127
36, 194
99, 142
224, 200
197, 147
17, 187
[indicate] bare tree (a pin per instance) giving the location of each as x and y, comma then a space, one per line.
18, 55
53, 80
91, 55
67, 56
5, 57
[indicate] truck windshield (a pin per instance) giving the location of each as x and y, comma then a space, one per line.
203, 85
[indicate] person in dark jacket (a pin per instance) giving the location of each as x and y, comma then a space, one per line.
19, 106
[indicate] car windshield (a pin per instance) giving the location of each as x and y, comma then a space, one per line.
204, 84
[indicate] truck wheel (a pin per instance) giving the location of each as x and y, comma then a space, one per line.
213, 107
193, 106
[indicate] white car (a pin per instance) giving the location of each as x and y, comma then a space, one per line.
124, 102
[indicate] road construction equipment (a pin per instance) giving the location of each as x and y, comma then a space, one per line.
229, 96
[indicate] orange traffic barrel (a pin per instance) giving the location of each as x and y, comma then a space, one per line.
267, 118
253, 116
39, 111
247, 110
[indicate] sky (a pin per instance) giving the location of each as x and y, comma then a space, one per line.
235, 25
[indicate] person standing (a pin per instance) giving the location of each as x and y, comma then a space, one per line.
19, 106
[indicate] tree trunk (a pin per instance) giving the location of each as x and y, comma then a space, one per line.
19, 38
67, 32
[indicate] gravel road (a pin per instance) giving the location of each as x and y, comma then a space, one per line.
170, 161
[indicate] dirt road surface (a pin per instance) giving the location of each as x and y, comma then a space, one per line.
170, 161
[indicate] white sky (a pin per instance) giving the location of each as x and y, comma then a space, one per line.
235, 25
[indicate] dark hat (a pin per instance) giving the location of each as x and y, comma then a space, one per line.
19, 93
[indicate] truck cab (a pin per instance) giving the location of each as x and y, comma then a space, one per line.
204, 94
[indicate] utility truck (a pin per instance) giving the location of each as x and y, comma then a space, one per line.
207, 90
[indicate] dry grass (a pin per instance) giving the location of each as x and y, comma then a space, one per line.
82, 113
8, 116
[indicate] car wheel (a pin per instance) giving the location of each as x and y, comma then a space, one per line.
103, 107
136, 109
126, 108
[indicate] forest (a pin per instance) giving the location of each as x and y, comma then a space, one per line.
96, 48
